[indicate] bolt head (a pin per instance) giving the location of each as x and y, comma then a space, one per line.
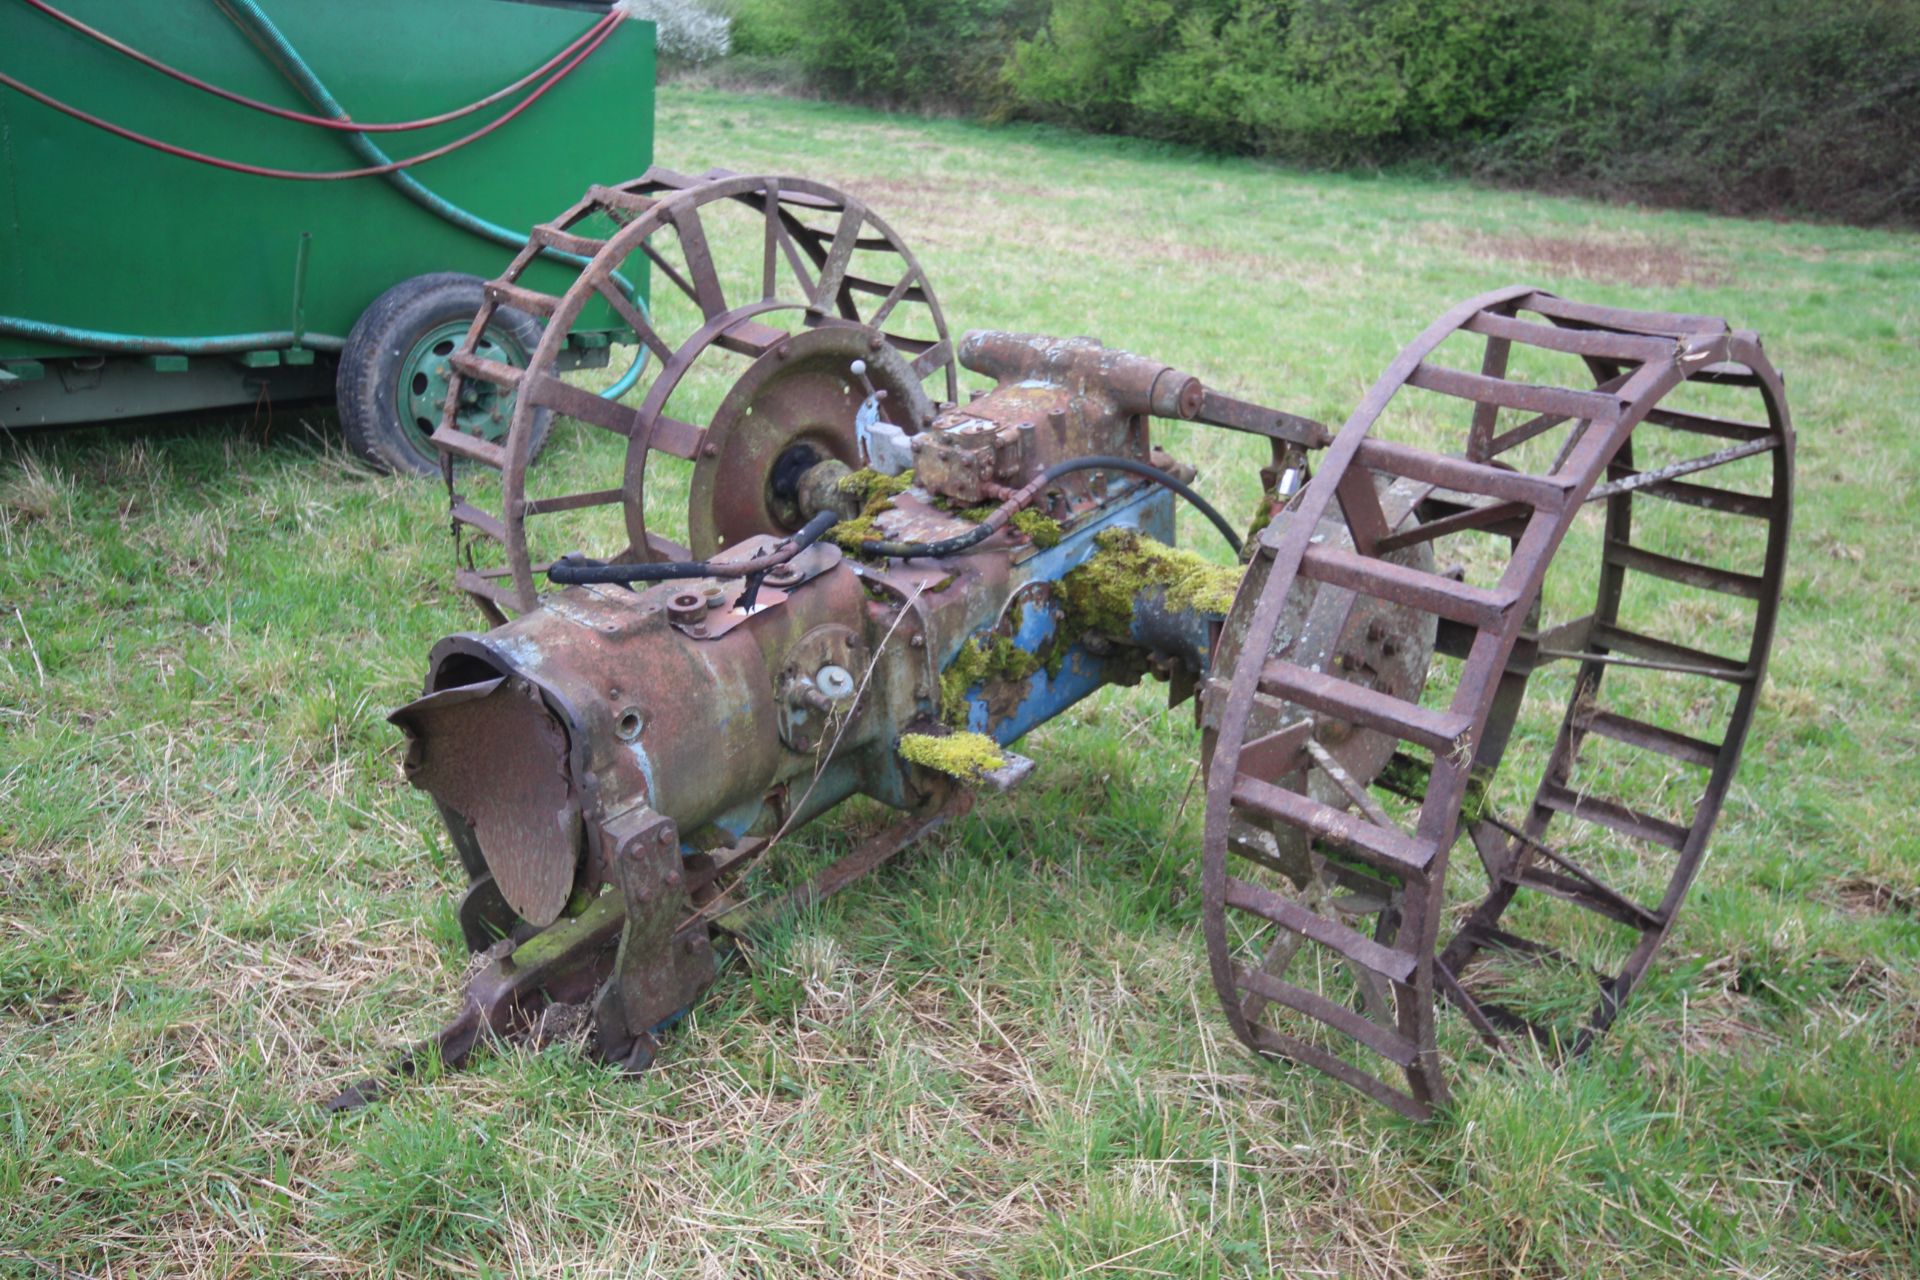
835, 681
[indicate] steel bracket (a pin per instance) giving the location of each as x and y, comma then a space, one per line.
656, 974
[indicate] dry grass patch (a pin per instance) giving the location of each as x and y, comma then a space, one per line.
1609, 260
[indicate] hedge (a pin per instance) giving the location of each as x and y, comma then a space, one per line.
1740, 105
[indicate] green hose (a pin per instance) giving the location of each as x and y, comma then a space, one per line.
137, 345
295, 68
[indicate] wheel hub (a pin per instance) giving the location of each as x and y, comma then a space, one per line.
800, 400
427, 374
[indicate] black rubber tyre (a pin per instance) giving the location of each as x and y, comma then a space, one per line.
387, 379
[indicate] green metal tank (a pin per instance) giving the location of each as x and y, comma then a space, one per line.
135, 282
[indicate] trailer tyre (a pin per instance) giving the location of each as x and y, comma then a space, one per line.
393, 377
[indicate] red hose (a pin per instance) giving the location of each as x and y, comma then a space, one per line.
322, 122
299, 175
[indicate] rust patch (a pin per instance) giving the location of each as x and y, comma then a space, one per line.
520, 804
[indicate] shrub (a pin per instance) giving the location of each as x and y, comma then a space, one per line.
1741, 105
1746, 105
945, 53
764, 28
687, 31
1083, 67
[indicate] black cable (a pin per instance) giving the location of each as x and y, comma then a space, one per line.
573, 570
1096, 462
931, 550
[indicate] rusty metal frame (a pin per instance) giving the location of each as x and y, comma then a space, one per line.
1636, 359
668, 205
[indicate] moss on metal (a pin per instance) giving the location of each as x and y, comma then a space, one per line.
975, 664
1042, 528
966, 756
967, 669
876, 492
868, 484
1100, 594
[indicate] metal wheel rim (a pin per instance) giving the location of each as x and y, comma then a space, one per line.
1670, 350
656, 201
426, 379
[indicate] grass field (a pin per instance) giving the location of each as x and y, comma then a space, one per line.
1001, 1056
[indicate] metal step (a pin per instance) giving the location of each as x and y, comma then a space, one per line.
1389, 1044
1638, 348
531, 301
1666, 324
548, 236
1613, 815
1441, 732
1748, 586
1385, 580
1362, 950
1533, 397
1383, 847
472, 448
473, 517
631, 202
1544, 493
500, 375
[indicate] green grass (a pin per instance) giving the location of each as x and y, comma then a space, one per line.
1000, 1056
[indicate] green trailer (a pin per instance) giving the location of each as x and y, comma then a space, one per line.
135, 281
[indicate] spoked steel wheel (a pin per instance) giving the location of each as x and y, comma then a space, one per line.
1595, 555
797, 277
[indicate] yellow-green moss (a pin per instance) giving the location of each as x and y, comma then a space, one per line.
966, 756
967, 669
976, 664
1042, 528
1037, 525
1008, 661
868, 484
849, 534
876, 493
1099, 595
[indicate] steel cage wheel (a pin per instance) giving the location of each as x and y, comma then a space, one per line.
1448, 760
821, 260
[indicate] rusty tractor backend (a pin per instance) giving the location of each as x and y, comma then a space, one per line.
1537, 569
